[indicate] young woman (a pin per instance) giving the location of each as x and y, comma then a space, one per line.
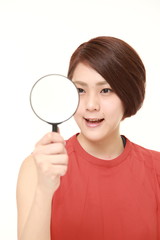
98, 184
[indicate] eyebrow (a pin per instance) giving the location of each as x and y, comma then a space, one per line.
85, 84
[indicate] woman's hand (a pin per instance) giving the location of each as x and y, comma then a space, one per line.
51, 160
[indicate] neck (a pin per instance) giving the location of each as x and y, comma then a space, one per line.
106, 149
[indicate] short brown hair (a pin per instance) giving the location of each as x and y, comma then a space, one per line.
119, 64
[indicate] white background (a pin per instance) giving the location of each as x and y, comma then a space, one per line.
37, 38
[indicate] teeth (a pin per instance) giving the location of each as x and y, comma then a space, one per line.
94, 119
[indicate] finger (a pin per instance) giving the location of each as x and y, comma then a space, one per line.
53, 148
59, 159
51, 137
59, 170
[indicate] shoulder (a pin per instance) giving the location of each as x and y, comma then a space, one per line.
28, 165
151, 158
26, 184
27, 174
145, 151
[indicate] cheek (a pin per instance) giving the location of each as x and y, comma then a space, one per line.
114, 109
77, 114
80, 110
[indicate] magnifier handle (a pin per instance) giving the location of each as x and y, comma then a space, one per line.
54, 128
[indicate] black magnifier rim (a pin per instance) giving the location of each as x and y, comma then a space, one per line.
55, 123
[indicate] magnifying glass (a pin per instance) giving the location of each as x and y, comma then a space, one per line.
54, 99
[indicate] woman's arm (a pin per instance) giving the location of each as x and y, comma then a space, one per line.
39, 178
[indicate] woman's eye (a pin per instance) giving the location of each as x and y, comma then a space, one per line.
80, 90
106, 90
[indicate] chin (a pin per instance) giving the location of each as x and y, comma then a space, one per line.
94, 136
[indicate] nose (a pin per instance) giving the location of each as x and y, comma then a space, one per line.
92, 103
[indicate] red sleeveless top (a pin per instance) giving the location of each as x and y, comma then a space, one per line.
117, 199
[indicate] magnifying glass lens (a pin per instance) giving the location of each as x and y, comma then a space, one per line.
54, 99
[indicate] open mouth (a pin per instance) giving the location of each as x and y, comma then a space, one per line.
94, 120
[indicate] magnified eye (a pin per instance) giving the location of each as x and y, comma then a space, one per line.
106, 90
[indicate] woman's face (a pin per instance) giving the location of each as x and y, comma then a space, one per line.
100, 110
